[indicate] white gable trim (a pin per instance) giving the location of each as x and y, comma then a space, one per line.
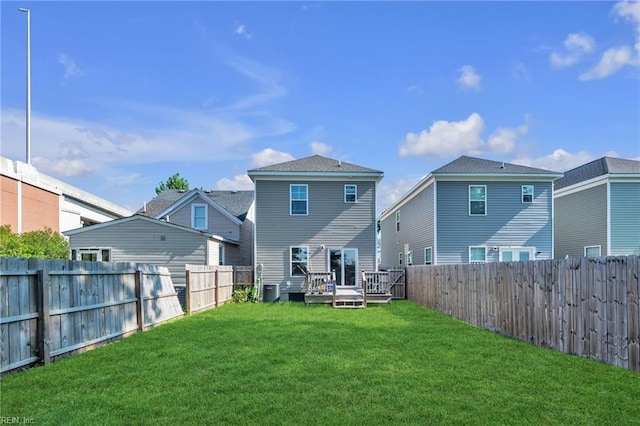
205, 199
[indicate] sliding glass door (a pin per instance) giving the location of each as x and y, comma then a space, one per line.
345, 264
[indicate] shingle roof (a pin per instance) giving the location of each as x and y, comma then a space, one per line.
599, 167
235, 202
315, 163
473, 165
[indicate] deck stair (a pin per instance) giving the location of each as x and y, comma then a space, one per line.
349, 297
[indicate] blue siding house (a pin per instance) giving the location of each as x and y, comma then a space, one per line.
471, 210
597, 207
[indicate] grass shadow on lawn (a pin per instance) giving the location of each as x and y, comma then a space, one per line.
290, 364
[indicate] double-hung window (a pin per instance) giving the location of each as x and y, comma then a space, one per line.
299, 199
527, 193
477, 254
350, 193
477, 200
199, 216
299, 261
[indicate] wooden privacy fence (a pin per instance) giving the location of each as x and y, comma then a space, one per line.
209, 286
55, 308
586, 307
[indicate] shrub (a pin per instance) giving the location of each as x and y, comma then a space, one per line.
45, 243
244, 294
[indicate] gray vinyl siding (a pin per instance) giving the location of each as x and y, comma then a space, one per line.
330, 222
625, 218
508, 221
580, 220
217, 223
139, 241
416, 230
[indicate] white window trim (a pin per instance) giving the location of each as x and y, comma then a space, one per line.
478, 261
599, 247
430, 255
533, 192
397, 221
291, 200
485, 200
291, 260
356, 194
91, 250
221, 253
531, 250
193, 217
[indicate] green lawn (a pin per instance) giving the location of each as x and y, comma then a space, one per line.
291, 364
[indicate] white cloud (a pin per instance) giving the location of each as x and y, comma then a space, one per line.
319, 148
75, 147
612, 60
269, 156
446, 138
241, 30
389, 192
469, 78
266, 78
628, 10
503, 140
70, 67
559, 160
576, 45
615, 58
239, 182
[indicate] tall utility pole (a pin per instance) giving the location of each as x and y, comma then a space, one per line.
28, 120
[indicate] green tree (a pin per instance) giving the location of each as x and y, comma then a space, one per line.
173, 182
45, 243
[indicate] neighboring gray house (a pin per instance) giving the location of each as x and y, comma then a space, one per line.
597, 209
314, 214
142, 239
227, 214
471, 210
175, 228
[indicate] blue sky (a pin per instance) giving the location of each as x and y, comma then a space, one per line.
124, 94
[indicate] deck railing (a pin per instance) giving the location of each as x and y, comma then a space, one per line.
320, 282
376, 282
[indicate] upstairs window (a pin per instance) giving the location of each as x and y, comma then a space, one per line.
299, 259
477, 200
350, 193
299, 199
527, 193
398, 221
199, 216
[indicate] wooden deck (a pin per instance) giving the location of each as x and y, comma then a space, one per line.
321, 288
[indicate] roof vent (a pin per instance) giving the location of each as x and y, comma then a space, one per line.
339, 163
181, 191
502, 166
234, 191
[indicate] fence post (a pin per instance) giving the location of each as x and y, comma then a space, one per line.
139, 300
44, 319
187, 292
215, 290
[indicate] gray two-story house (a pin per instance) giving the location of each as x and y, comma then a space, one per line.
471, 210
597, 209
315, 214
